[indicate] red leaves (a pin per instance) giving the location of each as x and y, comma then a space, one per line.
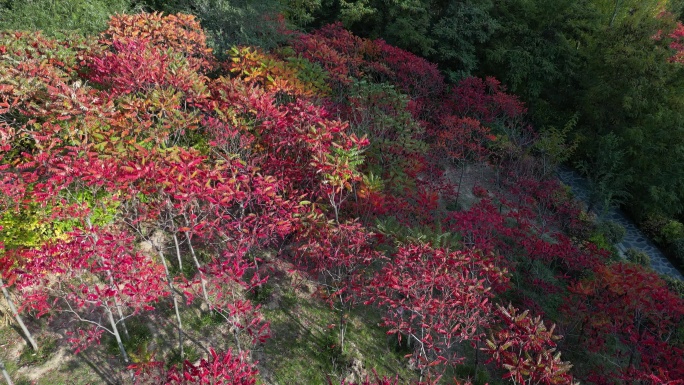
345, 55
218, 369
676, 38
226, 368
242, 163
632, 303
484, 100
138, 65
436, 298
112, 276
462, 139
526, 349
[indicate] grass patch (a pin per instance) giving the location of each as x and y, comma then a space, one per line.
47, 345
304, 350
136, 345
203, 320
174, 358
261, 294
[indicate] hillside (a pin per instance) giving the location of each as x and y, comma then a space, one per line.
327, 209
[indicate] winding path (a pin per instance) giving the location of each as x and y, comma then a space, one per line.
634, 237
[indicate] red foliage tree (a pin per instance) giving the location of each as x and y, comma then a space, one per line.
345, 55
436, 299
484, 100
526, 349
632, 304
337, 255
94, 274
462, 141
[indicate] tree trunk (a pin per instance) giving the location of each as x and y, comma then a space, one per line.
460, 182
117, 336
343, 327
17, 317
111, 283
203, 281
5, 374
175, 303
115, 330
178, 254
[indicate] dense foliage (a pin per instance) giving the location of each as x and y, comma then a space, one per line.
146, 176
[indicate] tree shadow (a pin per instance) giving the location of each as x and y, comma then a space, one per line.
109, 370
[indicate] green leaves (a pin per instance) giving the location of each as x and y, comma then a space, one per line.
86, 17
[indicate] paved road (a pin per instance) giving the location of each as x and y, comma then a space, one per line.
634, 237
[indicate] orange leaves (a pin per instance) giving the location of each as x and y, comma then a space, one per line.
180, 32
256, 67
582, 288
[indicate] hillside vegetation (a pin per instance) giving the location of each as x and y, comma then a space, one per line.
186, 201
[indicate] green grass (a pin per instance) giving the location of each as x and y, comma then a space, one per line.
47, 345
136, 345
304, 350
200, 323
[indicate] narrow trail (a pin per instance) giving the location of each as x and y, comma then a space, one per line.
634, 237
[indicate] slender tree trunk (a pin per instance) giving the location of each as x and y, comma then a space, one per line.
343, 325
178, 253
203, 281
175, 303
117, 336
581, 333
111, 284
17, 317
5, 374
118, 307
119, 342
460, 181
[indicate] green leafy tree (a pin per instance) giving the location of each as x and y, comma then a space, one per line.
462, 26
606, 174
535, 52
229, 23
630, 90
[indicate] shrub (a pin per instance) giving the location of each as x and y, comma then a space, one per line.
653, 226
639, 257
675, 285
599, 239
677, 251
581, 227
612, 231
672, 231
234, 22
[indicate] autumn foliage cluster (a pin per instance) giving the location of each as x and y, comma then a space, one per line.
139, 172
